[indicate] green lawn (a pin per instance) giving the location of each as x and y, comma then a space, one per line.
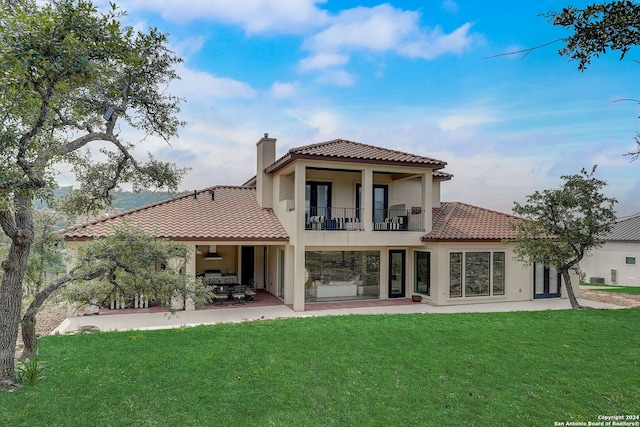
503, 369
635, 290
631, 290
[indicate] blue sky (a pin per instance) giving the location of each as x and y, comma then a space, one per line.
408, 75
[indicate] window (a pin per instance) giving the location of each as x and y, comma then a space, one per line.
422, 263
476, 277
498, 273
483, 274
380, 201
342, 275
455, 274
318, 198
630, 260
281, 275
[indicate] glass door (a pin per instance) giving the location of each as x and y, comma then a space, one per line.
318, 198
397, 264
380, 202
546, 281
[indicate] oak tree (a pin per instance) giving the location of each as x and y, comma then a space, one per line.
73, 81
564, 224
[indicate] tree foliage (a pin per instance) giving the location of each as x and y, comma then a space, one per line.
130, 263
564, 224
598, 29
126, 264
72, 79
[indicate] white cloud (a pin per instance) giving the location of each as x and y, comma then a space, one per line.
284, 90
450, 6
381, 28
436, 43
460, 120
255, 16
322, 60
324, 123
337, 78
198, 85
189, 46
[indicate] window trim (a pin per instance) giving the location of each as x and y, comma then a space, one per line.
492, 273
415, 273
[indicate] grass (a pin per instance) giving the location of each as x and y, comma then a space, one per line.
630, 290
522, 368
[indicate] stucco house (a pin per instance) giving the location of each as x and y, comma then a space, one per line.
616, 261
342, 220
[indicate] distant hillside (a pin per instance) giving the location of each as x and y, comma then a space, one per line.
124, 200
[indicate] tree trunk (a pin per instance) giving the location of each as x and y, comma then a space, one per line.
572, 296
29, 338
10, 302
20, 229
29, 319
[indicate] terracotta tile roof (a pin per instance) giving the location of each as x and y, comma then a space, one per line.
350, 151
442, 176
233, 215
455, 221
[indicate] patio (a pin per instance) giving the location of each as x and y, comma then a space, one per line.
271, 307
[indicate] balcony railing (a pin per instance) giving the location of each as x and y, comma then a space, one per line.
398, 220
350, 219
333, 219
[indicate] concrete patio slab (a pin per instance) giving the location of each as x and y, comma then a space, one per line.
165, 320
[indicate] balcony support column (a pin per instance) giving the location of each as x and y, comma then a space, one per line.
427, 200
366, 214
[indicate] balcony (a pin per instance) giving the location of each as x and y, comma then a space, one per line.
318, 218
398, 220
348, 219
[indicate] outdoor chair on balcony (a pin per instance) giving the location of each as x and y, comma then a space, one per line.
220, 295
239, 295
317, 222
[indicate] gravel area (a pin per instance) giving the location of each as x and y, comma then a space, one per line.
624, 300
48, 319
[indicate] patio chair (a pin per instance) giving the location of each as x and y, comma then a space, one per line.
220, 295
239, 294
211, 281
250, 292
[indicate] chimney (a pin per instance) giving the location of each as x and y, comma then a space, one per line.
265, 158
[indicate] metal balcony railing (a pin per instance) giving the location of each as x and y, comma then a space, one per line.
398, 220
333, 219
349, 219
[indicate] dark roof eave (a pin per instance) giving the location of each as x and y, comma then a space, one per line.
290, 157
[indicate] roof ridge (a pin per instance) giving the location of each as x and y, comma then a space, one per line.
362, 144
488, 210
317, 144
633, 217
148, 206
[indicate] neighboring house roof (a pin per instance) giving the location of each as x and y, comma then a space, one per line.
455, 221
625, 230
215, 213
350, 151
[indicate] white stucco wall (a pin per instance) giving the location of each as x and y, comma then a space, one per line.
613, 256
